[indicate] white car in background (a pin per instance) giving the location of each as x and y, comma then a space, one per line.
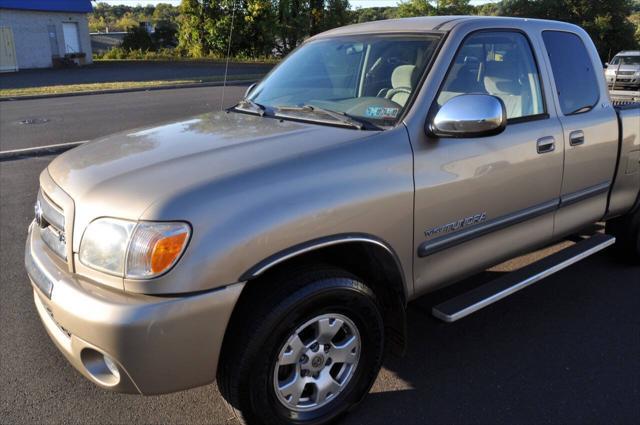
624, 70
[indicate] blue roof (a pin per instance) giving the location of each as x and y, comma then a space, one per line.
80, 6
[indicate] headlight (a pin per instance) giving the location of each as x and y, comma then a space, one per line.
133, 250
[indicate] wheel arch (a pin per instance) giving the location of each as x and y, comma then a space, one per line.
368, 257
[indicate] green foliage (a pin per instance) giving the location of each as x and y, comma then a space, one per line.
138, 38
264, 28
411, 8
429, 8
606, 21
261, 27
635, 21
368, 14
121, 17
168, 54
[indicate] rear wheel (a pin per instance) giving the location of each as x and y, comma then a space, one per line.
304, 353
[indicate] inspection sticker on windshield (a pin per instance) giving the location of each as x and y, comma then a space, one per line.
380, 112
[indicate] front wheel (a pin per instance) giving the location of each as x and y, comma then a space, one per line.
304, 353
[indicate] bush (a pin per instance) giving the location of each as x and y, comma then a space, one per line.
119, 53
138, 38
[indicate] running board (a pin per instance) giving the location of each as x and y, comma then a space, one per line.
487, 294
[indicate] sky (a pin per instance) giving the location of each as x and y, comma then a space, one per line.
354, 3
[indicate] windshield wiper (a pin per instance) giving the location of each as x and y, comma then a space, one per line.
247, 104
339, 116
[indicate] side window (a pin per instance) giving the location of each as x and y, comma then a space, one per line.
573, 72
500, 64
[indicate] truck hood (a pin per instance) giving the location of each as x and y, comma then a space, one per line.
123, 174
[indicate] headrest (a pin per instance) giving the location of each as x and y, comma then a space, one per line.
402, 76
501, 78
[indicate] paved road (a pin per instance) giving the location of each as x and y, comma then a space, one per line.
564, 351
102, 72
70, 119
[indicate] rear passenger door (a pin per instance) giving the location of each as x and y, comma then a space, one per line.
481, 200
589, 126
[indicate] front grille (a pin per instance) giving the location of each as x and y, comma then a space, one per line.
50, 221
626, 72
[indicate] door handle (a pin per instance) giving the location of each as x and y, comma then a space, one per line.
576, 138
546, 144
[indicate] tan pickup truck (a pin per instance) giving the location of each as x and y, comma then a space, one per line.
275, 246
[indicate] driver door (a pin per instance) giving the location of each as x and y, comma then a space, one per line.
481, 200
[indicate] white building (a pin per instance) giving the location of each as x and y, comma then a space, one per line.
43, 33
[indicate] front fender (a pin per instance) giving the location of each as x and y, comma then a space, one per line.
359, 187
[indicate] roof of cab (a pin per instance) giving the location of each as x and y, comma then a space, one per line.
434, 23
629, 53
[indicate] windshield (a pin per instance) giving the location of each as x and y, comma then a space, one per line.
367, 79
626, 60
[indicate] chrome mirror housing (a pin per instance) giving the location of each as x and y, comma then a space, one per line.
249, 89
469, 115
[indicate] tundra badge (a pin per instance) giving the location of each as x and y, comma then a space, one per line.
456, 225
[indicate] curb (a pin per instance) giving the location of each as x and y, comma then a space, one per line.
133, 89
38, 151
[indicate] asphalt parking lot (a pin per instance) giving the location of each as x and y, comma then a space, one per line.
564, 351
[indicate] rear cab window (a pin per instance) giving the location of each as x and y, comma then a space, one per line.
573, 72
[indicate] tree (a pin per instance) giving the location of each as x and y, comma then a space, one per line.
260, 22
369, 14
337, 14
488, 9
635, 21
165, 13
128, 20
454, 7
415, 8
138, 38
192, 36
434, 7
605, 20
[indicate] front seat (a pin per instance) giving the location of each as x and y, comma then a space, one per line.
402, 83
501, 80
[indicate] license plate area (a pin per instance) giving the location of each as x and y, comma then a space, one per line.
38, 277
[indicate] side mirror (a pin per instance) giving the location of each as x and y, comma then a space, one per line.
606, 65
469, 115
249, 89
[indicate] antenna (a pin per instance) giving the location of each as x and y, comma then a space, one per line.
226, 67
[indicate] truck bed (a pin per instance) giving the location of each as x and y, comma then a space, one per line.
624, 96
624, 192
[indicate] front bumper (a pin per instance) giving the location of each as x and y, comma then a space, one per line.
627, 81
158, 344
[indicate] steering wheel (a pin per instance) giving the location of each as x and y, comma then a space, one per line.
393, 92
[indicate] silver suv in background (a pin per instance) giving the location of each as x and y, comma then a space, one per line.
624, 70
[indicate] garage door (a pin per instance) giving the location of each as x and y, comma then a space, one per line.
71, 39
8, 62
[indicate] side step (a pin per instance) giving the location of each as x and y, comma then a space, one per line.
487, 294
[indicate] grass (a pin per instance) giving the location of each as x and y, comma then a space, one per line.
119, 54
120, 85
266, 61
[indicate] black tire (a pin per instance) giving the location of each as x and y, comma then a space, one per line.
268, 315
626, 229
